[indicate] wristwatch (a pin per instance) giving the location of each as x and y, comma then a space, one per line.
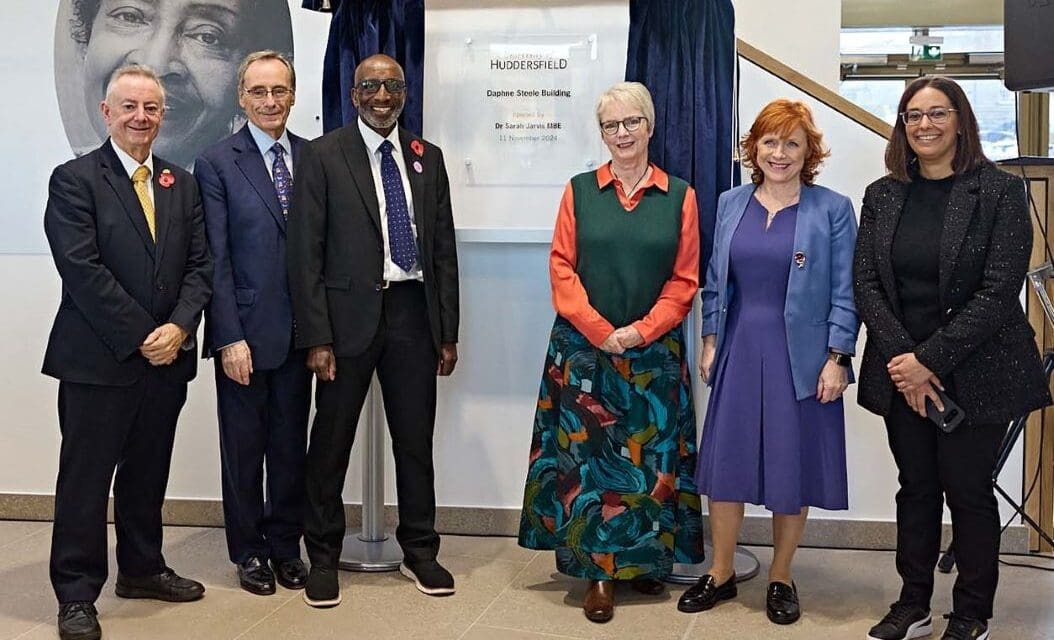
840, 359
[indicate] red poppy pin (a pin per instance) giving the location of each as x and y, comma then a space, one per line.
166, 179
417, 147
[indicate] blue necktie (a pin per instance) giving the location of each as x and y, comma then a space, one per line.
400, 234
283, 182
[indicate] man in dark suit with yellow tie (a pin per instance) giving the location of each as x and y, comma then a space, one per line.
373, 275
263, 386
128, 239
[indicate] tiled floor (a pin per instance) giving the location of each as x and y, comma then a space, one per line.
504, 593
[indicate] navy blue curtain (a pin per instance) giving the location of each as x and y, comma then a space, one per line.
684, 52
359, 29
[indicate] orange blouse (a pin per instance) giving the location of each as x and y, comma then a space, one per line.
675, 301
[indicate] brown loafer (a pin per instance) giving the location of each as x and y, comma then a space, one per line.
648, 586
600, 600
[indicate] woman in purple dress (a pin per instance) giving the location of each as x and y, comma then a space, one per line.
779, 327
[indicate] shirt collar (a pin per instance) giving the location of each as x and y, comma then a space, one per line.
130, 164
374, 140
658, 177
264, 141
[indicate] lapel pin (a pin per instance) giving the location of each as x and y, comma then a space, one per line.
417, 166
417, 147
166, 179
799, 259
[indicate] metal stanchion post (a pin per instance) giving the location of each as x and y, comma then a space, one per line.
746, 563
371, 549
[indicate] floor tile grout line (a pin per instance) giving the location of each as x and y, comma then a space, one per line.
532, 632
495, 599
30, 630
691, 627
45, 526
262, 619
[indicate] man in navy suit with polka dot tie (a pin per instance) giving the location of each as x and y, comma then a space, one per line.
373, 276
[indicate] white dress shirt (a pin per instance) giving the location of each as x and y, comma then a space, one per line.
264, 142
130, 164
373, 140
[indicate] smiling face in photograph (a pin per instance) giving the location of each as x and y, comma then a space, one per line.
626, 147
379, 106
193, 46
934, 137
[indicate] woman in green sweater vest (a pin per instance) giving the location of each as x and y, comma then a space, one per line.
610, 486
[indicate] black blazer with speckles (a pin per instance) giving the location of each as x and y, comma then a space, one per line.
985, 345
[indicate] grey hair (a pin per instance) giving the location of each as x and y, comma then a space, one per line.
266, 54
632, 94
140, 70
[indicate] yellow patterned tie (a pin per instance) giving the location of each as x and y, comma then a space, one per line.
140, 181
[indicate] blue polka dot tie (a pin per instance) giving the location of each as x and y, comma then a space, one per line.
400, 234
283, 182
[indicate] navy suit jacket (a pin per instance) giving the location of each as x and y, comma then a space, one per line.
246, 232
118, 284
819, 312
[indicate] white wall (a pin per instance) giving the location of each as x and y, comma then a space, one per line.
803, 34
486, 408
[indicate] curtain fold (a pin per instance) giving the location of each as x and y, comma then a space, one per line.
684, 52
359, 29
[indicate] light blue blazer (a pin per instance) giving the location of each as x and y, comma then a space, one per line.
819, 312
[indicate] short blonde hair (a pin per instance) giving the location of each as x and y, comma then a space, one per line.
632, 94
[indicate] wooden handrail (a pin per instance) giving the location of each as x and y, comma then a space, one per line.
814, 89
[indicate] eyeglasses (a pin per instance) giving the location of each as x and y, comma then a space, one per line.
630, 124
937, 115
371, 86
261, 93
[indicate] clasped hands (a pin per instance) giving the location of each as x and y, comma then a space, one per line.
323, 363
621, 339
163, 344
915, 382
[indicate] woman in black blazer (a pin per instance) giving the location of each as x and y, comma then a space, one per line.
941, 256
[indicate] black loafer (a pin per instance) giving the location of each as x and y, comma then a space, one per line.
706, 593
79, 621
291, 574
255, 577
781, 603
167, 586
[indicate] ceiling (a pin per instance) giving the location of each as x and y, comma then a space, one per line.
926, 13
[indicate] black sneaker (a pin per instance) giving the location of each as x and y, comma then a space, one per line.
79, 621
903, 621
323, 588
960, 628
429, 576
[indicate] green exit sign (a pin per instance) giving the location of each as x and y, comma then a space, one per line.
926, 53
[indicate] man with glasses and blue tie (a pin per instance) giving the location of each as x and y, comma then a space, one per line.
373, 274
263, 387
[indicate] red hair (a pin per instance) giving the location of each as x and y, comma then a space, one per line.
782, 117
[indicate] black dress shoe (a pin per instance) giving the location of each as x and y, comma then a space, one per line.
648, 586
291, 574
323, 588
79, 621
781, 603
167, 586
255, 577
706, 593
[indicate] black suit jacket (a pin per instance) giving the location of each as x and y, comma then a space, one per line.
985, 345
336, 248
118, 285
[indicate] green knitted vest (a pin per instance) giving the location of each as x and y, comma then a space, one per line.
625, 257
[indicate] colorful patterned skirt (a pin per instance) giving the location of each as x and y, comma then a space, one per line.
611, 481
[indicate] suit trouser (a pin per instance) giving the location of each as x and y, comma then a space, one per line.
404, 357
104, 428
265, 420
959, 465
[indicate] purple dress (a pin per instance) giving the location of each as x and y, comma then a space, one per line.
760, 444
